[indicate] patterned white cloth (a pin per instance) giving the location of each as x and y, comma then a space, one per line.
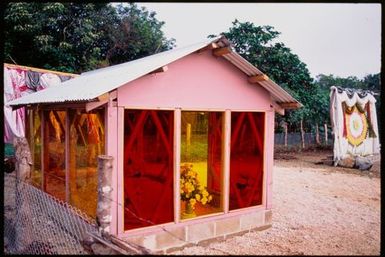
342, 148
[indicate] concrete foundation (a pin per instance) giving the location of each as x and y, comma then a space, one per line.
174, 238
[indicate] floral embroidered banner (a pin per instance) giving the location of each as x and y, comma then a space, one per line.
354, 121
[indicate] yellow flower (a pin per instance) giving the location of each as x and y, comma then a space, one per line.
190, 188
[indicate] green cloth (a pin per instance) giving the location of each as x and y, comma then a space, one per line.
9, 150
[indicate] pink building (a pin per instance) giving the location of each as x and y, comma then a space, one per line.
191, 133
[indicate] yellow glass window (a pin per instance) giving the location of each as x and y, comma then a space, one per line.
201, 163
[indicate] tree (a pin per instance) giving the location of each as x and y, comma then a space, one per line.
258, 45
77, 37
136, 33
323, 83
373, 82
327, 81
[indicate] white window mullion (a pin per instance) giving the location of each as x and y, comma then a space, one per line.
177, 146
226, 160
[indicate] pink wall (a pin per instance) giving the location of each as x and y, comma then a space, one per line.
197, 81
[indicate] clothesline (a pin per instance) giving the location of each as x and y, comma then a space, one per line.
8, 65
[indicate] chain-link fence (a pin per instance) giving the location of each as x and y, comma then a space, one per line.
37, 223
295, 139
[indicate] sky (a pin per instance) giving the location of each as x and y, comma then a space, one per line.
339, 39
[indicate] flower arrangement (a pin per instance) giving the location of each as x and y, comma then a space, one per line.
191, 191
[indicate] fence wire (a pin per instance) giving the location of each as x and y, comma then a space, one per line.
37, 223
295, 139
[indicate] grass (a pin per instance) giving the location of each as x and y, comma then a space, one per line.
197, 151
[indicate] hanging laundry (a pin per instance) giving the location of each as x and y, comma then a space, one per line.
64, 78
48, 80
14, 87
20, 81
32, 80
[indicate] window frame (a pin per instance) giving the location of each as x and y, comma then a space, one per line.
226, 137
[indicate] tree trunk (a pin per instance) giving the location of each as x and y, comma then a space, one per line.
23, 175
326, 133
317, 141
23, 159
302, 135
103, 211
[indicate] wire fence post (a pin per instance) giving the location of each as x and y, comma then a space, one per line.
103, 210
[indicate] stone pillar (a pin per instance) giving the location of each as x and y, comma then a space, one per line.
103, 211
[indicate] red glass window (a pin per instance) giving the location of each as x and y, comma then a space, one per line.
148, 168
246, 159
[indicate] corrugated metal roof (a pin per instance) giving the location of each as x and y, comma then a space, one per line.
278, 93
90, 85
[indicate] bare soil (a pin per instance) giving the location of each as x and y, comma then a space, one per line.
317, 210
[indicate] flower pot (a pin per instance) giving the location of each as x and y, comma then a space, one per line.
189, 211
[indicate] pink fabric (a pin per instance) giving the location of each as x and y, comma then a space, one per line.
15, 86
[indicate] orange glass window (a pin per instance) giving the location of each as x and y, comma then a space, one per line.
33, 129
201, 163
54, 153
148, 168
86, 138
246, 159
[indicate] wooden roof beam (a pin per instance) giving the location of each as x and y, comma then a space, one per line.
102, 99
208, 47
161, 69
221, 51
278, 108
292, 105
258, 78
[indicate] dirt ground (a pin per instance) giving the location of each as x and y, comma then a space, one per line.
317, 210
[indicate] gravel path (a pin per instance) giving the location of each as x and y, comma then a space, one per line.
316, 211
